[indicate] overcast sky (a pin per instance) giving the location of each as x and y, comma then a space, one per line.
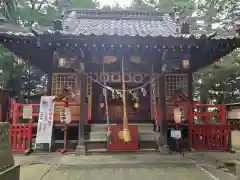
112, 2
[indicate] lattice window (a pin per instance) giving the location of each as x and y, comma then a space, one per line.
61, 81
174, 82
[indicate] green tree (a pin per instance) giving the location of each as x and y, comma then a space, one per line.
211, 84
26, 79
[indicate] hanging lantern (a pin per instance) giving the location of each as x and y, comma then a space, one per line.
217, 63
135, 59
109, 59
62, 62
185, 64
136, 105
20, 61
177, 114
101, 105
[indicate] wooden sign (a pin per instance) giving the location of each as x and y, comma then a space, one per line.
27, 112
65, 115
234, 114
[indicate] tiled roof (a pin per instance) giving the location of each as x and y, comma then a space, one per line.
114, 22
130, 23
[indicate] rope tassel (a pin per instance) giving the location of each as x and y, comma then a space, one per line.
124, 135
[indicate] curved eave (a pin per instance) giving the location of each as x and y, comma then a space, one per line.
206, 49
205, 58
70, 35
37, 56
176, 40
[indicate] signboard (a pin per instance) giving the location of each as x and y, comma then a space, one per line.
65, 115
45, 121
176, 134
234, 114
27, 112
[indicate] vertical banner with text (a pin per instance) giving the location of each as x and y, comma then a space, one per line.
45, 121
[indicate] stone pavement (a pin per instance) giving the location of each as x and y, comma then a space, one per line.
114, 167
215, 157
144, 173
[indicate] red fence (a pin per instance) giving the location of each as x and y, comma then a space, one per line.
20, 137
20, 134
201, 136
15, 112
208, 135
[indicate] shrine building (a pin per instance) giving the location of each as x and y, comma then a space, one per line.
90, 50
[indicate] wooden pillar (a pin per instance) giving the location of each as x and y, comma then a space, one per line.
81, 84
163, 108
52, 69
163, 114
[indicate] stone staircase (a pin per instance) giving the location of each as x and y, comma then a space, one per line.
97, 136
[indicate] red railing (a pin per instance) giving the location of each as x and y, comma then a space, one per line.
203, 112
20, 137
15, 112
20, 134
208, 135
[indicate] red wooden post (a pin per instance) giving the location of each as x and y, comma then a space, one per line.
15, 113
190, 119
29, 138
222, 114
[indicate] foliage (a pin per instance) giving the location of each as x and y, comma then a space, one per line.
163, 5
220, 85
211, 84
26, 79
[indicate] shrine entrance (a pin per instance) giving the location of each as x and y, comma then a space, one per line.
138, 111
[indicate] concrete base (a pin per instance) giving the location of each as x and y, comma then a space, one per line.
238, 169
164, 149
80, 150
12, 173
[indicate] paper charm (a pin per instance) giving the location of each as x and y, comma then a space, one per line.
113, 95
144, 92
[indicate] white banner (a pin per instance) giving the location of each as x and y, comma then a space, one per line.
45, 121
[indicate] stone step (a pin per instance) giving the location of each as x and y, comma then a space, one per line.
103, 127
147, 136
98, 136
102, 136
99, 127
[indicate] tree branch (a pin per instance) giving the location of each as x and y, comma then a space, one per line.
33, 3
41, 4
